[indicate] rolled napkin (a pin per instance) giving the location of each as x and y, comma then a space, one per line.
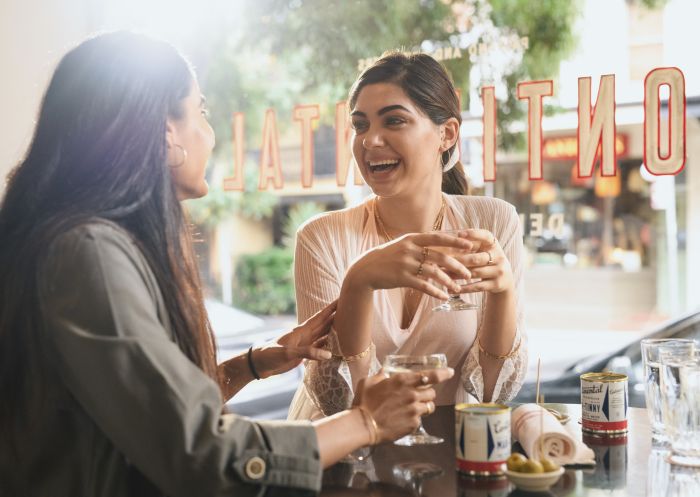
549, 437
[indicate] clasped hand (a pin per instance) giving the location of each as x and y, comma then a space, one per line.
415, 261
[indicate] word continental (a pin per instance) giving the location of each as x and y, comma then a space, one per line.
596, 136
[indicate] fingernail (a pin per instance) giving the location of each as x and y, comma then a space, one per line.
452, 372
326, 354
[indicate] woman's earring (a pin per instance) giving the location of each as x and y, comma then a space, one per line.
451, 162
184, 157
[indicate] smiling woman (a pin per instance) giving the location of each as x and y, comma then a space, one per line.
383, 261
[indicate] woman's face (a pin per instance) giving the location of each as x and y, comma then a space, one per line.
193, 134
396, 146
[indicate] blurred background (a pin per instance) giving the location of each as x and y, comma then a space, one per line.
608, 258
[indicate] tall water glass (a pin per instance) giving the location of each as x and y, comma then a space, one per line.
680, 390
651, 361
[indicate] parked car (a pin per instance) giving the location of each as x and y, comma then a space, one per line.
627, 360
235, 332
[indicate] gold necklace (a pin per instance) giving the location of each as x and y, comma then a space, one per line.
437, 225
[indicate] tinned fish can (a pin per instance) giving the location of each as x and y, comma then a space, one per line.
604, 403
482, 438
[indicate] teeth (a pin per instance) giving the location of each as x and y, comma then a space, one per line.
383, 162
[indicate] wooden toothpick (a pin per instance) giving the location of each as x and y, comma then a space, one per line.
537, 401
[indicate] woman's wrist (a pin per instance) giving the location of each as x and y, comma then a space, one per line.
355, 280
370, 429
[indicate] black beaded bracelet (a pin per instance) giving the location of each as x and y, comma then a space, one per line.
251, 365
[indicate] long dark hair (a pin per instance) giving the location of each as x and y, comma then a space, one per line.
98, 152
429, 87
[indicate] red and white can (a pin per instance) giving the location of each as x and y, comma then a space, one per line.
604, 403
482, 438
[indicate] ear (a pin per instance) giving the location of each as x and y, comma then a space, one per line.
170, 133
450, 133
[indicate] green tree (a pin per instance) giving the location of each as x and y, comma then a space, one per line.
329, 37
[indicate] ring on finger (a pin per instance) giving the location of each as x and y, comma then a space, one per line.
420, 266
424, 380
491, 261
430, 405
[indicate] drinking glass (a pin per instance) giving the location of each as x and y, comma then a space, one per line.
680, 390
651, 361
670, 480
414, 474
394, 364
455, 302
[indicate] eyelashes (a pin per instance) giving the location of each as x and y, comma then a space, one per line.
389, 121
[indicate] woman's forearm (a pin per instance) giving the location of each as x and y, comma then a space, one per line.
234, 374
497, 335
340, 434
353, 319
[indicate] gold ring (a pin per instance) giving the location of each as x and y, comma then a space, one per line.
490, 262
425, 253
420, 266
424, 380
431, 407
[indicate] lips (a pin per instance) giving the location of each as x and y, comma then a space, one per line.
381, 166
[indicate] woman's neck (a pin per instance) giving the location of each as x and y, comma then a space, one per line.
409, 215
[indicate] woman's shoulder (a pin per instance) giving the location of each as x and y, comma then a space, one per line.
94, 241
335, 223
95, 231
484, 206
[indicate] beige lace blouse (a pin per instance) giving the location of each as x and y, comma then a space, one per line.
327, 245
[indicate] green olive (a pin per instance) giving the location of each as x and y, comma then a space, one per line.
531, 466
515, 461
549, 465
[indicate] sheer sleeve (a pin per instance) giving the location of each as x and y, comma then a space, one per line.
509, 233
318, 276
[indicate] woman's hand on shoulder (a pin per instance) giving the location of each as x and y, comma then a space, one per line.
397, 403
304, 341
411, 262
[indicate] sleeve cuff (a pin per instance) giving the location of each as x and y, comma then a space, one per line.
292, 459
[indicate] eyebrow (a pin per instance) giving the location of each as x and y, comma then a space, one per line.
382, 111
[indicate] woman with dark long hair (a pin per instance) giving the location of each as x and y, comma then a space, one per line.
383, 262
108, 377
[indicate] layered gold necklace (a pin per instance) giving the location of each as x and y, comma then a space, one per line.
437, 225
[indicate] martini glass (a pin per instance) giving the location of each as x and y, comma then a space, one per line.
455, 302
394, 364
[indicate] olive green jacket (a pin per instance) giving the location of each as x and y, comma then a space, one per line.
130, 414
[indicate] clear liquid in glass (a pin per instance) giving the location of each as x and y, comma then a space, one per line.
455, 302
394, 364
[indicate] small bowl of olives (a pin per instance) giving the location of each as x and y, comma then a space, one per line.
530, 474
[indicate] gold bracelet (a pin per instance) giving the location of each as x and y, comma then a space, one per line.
372, 425
496, 356
357, 357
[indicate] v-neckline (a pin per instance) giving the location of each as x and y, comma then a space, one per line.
416, 315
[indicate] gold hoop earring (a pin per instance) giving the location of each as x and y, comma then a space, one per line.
184, 157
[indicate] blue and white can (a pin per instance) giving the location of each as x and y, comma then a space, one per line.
482, 438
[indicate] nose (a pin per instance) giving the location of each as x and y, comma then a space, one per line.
372, 139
